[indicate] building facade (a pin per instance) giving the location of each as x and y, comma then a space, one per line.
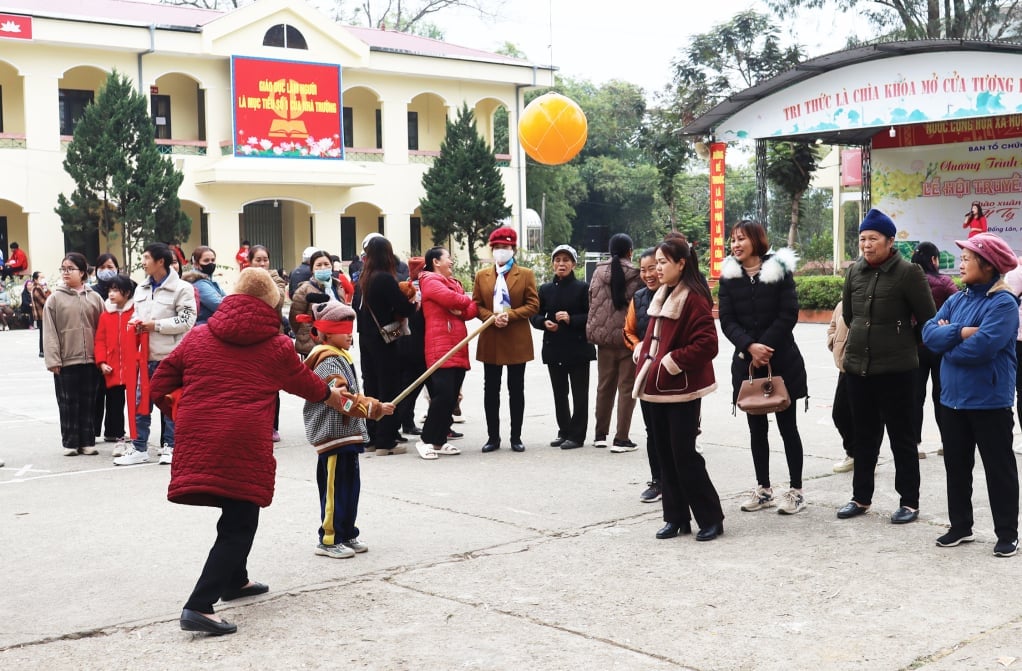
396, 93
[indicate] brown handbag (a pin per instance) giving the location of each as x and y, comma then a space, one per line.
763, 395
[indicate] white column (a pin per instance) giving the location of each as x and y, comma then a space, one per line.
326, 228
394, 115
396, 228
42, 112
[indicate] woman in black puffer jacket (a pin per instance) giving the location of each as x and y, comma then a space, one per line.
758, 312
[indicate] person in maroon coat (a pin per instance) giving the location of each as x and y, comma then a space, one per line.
228, 463
675, 370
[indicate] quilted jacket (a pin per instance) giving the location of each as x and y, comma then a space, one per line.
444, 330
605, 326
229, 372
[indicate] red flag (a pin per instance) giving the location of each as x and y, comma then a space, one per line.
16, 26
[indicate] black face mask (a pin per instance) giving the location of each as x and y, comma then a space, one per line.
208, 268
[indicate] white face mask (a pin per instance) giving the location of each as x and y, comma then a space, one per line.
502, 256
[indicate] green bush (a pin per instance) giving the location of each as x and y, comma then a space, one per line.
818, 292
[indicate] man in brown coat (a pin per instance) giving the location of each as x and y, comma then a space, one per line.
509, 342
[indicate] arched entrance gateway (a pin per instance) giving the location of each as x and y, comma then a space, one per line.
938, 124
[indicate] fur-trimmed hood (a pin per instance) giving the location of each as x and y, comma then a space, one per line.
109, 306
668, 305
774, 267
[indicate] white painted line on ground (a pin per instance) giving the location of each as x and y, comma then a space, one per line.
61, 475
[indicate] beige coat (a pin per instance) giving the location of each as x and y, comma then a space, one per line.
837, 336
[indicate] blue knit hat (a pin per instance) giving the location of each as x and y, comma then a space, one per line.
875, 220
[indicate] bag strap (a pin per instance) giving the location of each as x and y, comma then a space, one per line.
362, 304
770, 372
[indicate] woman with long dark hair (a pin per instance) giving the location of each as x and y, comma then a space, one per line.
610, 292
381, 301
675, 371
975, 220
445, 309
758, 313
927, 257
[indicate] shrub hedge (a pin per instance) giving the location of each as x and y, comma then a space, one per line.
815, 292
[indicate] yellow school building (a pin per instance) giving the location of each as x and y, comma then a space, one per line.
206, 74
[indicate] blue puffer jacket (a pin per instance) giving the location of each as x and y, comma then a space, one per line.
977, 373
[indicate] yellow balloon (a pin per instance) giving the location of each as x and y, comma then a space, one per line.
552, 129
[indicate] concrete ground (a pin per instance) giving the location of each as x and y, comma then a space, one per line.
541, 560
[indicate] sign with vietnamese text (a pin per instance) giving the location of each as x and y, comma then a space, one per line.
286, 109
16, 26
910, 89
717, 169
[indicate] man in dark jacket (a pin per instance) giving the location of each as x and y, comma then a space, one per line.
563, 308
886, 301
303, 273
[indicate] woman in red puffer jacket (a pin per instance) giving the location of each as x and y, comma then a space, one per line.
445, 308
223, 455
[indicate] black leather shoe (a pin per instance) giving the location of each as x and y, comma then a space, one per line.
412, 430
517, 446
454, 435
670, 530
491, 447
252, 590
570, 445
192, 620
904, 515
851, 509
710, 532
557, 442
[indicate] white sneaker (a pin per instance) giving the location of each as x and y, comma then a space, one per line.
792, 502
132, 457
457, 419
120, 448
600, 442
845, 465
166, 455
1, 463
759, 499
1017, 449
356, 545
335, 551
70, 452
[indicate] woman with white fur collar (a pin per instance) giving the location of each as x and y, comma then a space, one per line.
758, 312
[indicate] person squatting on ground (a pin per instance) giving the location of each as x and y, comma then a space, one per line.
228, 463
758, 313
927, 257
610, 290
508, 291
339, 437
445, 309
70, 316
675, 370
975, 331
117, 357
636, 322
165, 309
563, 310
885, 302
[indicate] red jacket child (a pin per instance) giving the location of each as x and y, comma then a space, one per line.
117, 345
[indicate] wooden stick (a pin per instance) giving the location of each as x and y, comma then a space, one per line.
442, 360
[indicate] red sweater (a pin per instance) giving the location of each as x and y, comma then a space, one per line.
229, 371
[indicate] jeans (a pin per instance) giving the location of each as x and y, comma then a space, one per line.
143, 422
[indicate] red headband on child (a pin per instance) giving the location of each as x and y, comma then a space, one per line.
345, 327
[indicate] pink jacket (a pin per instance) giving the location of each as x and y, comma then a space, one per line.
444, 329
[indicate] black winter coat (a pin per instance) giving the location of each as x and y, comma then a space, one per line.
568, 345
763, 309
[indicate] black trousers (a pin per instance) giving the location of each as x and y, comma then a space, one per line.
76, 402
990, 431
443, 396
651, 452
381, 377
684, 481
226, 566
788, 426
929, 369
109, 404
573, 418
880, 401
491, 399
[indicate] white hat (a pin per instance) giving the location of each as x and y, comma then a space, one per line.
307, 254
366, 239
567, 249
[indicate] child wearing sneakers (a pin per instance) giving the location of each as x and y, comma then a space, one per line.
117, 356
338, 437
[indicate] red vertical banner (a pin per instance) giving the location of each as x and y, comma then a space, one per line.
717, 150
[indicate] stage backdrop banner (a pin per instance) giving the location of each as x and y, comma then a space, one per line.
929, 189
286, 109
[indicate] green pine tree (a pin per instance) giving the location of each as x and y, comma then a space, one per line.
124, 188
464, 193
